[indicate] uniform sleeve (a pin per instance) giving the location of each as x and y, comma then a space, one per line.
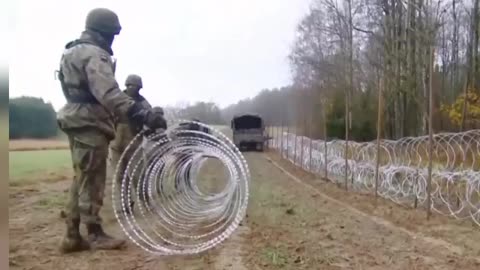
101, 80
147, 104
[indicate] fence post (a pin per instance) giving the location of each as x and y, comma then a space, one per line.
275, 136
415, 187
301, 142
465, 104
379, 117
347, 131
325, 133
272, 135
288, 136
430, 135
295, 146
310, 129
269, 128
281, 140
463, 121
266, 143
278, 131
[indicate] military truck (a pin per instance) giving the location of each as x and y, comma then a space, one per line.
248, 132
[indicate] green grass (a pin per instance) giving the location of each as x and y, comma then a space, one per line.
276, 257
25, 164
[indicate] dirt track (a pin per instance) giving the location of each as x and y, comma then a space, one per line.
294, 222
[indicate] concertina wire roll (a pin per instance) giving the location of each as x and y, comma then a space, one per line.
403, 168
155, 195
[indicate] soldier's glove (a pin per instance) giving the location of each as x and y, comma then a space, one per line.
138, 115
155, 120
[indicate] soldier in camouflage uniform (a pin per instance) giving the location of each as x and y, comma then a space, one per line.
125, 131
93, 98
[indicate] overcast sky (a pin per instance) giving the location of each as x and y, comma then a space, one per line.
190, 50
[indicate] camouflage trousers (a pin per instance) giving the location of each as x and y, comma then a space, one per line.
89, 150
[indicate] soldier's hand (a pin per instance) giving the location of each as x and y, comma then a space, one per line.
150, 118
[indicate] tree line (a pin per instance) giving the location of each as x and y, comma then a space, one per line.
31, 117
350, 56
207, 112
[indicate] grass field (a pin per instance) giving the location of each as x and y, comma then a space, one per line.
26, 165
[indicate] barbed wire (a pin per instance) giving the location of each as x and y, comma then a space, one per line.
172, 214
403, 169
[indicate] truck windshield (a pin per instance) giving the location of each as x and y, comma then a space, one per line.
247, 122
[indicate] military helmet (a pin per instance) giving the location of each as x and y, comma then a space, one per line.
133, 79
158, 110
104, 21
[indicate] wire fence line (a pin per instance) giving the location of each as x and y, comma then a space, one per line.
402, 171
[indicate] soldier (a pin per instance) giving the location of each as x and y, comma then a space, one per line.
93, 98
125, 131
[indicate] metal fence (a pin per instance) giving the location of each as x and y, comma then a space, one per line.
402, 173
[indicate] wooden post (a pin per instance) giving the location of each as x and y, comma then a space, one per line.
269, 132
347, 124
295, 146
310, 129
415, 187
379, 127
265, 143
465, 106
279, 137
281, 140
464, 117
275, 139
271, 136
303, 136
288, 136
325, 136
430, 135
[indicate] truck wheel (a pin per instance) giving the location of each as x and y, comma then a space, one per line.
260, 147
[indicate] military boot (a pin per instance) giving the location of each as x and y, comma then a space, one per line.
73, 241
100, 240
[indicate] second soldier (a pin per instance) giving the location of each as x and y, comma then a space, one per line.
125, 131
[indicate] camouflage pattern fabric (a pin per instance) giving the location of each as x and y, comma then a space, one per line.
89, 155
88, 70
91, 66
93, 97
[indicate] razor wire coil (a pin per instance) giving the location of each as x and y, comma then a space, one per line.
403, 169
156, 194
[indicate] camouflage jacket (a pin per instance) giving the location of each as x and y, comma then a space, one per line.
124, 132
92, 93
